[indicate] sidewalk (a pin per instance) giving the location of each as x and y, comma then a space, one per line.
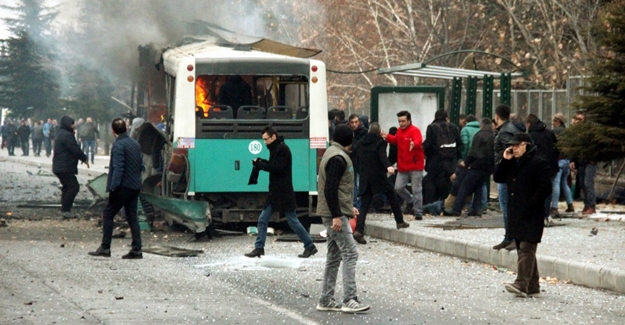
100, 166
568, 252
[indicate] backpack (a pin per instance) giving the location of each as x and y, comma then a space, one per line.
445, 140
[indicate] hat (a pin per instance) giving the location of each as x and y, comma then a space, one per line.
343, 135
520, 137
136, 122
560, 117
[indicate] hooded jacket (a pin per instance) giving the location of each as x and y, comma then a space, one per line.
67, 152
545, 141
408, 160
371, 153
466, 134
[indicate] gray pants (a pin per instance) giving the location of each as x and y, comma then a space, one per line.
341, 247
416, 178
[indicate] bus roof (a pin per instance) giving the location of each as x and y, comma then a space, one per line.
207, 52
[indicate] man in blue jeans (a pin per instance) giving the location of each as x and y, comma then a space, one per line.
281, 194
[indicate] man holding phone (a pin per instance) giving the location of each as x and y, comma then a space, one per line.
527, 176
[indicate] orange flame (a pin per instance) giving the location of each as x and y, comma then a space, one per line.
202, 98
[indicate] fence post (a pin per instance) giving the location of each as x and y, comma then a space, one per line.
487, 96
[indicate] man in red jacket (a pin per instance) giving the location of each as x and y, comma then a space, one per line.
410, 163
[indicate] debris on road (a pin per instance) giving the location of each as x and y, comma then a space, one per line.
172, 251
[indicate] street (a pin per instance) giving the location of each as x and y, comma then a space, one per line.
47, 277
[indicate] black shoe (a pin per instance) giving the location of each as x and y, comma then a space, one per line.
418, 216
402, 224
257, 252
512, 246
101, 252
308, 252
501, 245
133, 255
360, 238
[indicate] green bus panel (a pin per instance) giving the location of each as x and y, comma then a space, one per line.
224, 165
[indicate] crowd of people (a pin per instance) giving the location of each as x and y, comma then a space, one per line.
40, 136
448, 172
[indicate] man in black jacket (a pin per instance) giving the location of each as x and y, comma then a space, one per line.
67, 153
23, 133
505, 131
545, 142
440, 158
527, 177
479, 163
281, 194
123, 184
371, 155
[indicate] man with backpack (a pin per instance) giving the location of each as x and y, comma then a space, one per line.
443, 148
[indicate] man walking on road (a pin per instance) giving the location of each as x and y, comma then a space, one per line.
529, 184
410, 163
281, 194
335, 206
123, 184
67, 153
371, 154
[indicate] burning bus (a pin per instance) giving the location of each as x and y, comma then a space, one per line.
219, 92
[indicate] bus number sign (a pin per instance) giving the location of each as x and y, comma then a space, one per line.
255, 147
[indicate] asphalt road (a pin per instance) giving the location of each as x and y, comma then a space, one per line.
46, 277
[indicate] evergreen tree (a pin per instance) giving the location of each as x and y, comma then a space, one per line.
602, 137
28, 74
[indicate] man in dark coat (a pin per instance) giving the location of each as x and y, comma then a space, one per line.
123, 184
12, 139
545, 142
438, 165
529, 184
360, 132
506, 129
371, 154
281, 194
67, 153
23, 133
480, 162
37, 138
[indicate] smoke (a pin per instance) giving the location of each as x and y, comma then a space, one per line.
106, 34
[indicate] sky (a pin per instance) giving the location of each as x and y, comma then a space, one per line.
64, 11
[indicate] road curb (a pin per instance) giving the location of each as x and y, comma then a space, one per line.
586, 274
83, 171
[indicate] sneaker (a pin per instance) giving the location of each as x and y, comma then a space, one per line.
331, 305
101, 252
418, 216
308, 252
501, 245
510, 287
402, 225
354, 306
360, 238
257, 252
511, 246
133, 255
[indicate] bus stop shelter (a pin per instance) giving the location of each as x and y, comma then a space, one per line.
456, 75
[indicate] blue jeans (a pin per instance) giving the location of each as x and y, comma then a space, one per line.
341, 248
502, 189
89, 145
559, 183
357, 199
291, 218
